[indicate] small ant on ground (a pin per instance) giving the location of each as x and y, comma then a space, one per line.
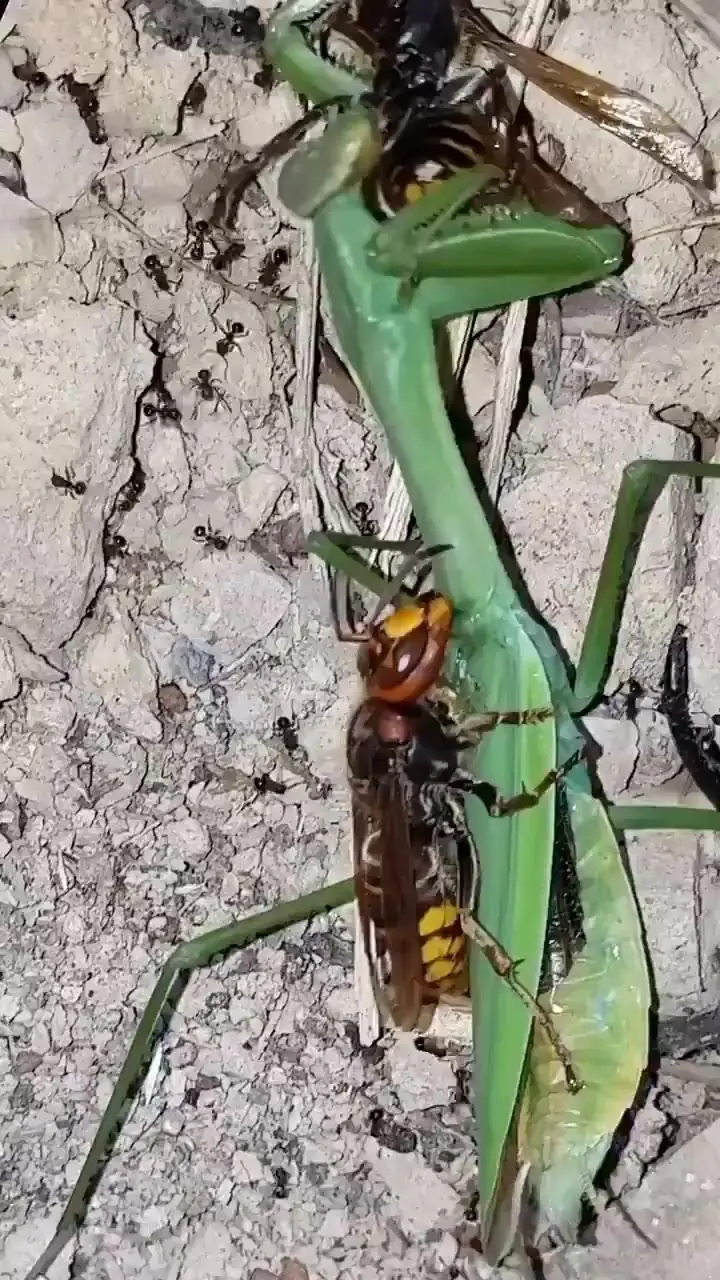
155, 271
224, 345
272, 262
86, 100
286, 729
224, 258
114, 545
263, 784
200, 232
265, 77
208, 389
367, 526
194, 99
281, 1178
207, 535
132, 489
68, 484
27, 72
247, 24
166, 412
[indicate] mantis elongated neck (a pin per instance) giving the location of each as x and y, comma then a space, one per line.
392, 352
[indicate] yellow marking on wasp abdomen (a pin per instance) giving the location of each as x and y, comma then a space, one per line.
444, 915
442, 969
442, 947
415, 191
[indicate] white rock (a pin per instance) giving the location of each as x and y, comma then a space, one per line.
674, 364
479, 380
114, 665
247, 1168
703, 615
418, 1197
58, 159
559, 519
76, 372
50, 709
29, 234
258, 493
9, 681
661, 264
79, 39
619, 742
420, 1080
141, 96
164, 460
10, 138
187, 837
227, 602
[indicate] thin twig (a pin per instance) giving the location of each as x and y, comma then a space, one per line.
696, 1072
669, 228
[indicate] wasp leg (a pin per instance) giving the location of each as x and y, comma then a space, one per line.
500, 806
472, 728
696, 746
528, 799
505, 967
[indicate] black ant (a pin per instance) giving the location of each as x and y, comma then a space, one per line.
247, 24
265, 77
287, 730
86, 100
155, 271
28, 73
368, 527
167, 411
206, 385
68, 483
132, 489
114, 545
272, 262
197, 248
224, 258
263, 783
224, 345
206, 534
194, 99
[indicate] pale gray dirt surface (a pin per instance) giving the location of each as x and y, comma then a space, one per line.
142, 667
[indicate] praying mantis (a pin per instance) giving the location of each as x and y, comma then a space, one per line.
540, 1145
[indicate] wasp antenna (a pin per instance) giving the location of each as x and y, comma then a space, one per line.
420, 557
340, 608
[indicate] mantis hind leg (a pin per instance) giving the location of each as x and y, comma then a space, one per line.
506, 968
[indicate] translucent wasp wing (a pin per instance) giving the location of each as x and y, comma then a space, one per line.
623, 112
414, 865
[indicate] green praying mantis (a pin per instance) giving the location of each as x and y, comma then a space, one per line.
540, 1146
